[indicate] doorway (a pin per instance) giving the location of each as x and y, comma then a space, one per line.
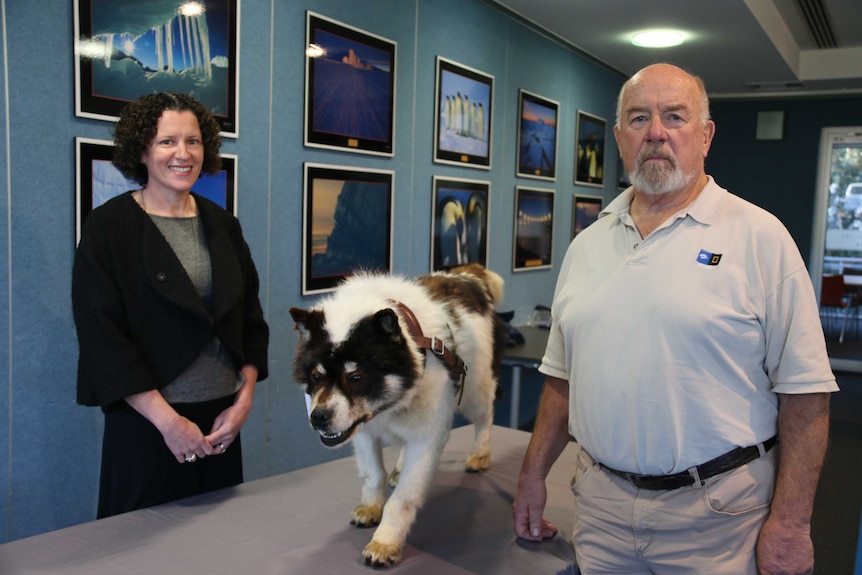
837, 241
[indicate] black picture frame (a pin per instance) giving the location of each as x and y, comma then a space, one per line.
590, 150
98, 180
459, 223
463, 138
349, 88
533, 245
538, 136
346, 224
585, 211
203, 61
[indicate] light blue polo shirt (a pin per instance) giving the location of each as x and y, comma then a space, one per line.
676, 345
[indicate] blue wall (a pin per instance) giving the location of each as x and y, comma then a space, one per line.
49, 450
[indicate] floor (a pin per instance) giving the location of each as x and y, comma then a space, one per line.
836, 524
838, 504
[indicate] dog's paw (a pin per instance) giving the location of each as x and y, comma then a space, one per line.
393, 477
478, 463
381, 554
366, 515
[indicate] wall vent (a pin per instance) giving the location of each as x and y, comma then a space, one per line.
818, 22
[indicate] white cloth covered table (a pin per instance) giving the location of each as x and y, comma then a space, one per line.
298, 522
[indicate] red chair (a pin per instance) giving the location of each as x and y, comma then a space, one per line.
834, 299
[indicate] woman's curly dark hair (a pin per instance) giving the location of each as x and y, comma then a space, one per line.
137, 128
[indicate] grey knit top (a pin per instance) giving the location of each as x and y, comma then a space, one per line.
214, 373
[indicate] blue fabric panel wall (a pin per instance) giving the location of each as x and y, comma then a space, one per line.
257, 61
5, 341
53, 446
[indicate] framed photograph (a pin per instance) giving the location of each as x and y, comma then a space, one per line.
462, 111
590, 150
459, 226
534, 229
346, 224
123, 51
349, 88
537, 137
623, 180
585, 210
98, 180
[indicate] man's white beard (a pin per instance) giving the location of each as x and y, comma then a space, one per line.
655, 178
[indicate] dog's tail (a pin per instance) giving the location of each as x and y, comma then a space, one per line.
495, 286
493, 282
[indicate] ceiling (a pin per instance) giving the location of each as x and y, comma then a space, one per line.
741, 48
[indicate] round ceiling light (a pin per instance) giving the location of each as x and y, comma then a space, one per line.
658, 38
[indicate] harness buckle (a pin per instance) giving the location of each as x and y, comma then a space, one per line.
434, 343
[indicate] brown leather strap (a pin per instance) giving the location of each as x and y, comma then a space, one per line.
453, 362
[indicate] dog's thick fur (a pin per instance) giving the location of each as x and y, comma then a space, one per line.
369, 381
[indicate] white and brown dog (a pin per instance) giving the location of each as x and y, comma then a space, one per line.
388, 361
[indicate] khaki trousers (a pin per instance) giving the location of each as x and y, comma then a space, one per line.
702, 529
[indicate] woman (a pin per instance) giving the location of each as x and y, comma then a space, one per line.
171, 332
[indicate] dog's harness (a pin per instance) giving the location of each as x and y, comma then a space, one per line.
454, 364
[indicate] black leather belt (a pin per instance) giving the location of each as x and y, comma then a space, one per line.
721, 464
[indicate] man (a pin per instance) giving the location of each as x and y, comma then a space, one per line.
685, 337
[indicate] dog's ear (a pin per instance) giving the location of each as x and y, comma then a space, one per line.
300, 316
388, 322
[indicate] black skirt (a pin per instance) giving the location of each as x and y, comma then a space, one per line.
138, 470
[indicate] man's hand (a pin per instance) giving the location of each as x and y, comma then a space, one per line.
550, 437
527, 510
784, 545
784, 549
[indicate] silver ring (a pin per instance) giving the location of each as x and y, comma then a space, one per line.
221, 447
191, 458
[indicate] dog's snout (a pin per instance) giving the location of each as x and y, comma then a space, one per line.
320, 418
